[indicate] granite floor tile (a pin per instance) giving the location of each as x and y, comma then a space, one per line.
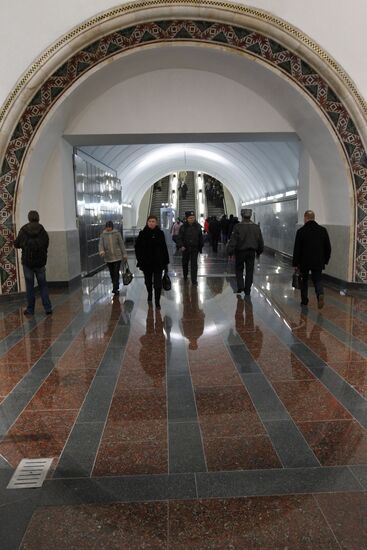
240, 453
37, 434
63, 389
258, 522
138, 404
290, 368
113, 526
131, 458
11, 374
222, 400
346, 514
309, 400
336, 442
217, 375
355, 373
122, 430
231, 425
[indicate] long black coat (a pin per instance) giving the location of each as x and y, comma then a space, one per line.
151, 249
312, 248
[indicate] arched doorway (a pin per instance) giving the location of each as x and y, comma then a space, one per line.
236, 30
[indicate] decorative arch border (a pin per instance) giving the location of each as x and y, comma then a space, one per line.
240, 38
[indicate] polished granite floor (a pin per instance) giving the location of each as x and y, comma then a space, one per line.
213, 423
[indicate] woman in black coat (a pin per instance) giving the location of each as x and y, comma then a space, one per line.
152, 257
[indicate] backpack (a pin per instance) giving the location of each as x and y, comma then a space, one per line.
34, 251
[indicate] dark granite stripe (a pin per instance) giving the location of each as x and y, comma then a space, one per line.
185, 448
78, 456
349, 340
337, 386
276, 482
290, 444
186, 452
360, 472
100, 490
181, 401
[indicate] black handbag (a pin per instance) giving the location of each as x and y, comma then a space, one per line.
127, 276
166, 282
297, 280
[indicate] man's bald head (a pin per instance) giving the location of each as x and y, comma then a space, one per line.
309, 215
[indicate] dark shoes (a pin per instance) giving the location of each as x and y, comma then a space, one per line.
157, 305
116, 292
194, 283
239, 290
304, 303
320, 301
49, 312
28, 313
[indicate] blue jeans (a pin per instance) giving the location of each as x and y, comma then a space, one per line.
40, 273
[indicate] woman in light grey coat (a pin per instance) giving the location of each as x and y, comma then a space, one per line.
112, 249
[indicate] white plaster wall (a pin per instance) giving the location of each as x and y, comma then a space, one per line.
29, 27
175, 97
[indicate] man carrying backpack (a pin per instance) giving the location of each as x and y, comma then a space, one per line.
33, 240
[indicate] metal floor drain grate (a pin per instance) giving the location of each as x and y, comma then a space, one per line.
30, 473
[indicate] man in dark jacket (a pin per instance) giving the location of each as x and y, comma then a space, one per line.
33, 240
190, 241
311, 252
246, 241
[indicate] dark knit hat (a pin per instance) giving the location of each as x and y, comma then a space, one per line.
189, 213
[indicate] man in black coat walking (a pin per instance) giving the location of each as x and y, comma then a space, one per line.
190, 241
311, 252
33, 240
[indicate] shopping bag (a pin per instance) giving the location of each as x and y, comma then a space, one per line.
127, 276
166, 282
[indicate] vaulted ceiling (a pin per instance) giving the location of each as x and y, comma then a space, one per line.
249, 170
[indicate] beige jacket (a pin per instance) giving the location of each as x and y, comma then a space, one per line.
111, 246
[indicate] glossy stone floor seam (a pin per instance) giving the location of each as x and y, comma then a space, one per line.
27, 325
281, 428
335, 384
18, 399
81, 448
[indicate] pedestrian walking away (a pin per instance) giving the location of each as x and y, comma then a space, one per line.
312, 251
113, 251
33, 240
190, 241
245, 242
214, 232
152, 258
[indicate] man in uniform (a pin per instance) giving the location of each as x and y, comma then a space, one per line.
190, 241
246, 241
311, 252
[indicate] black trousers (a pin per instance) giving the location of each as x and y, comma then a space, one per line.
114, 268
190, 255
214, 241
316, 276
245, 258
153, 279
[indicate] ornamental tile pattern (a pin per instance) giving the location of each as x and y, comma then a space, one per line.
243, 39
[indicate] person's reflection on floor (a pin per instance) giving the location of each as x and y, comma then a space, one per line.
193, 317
167, 322
126, 310
215, 284
152, 350
245, 324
